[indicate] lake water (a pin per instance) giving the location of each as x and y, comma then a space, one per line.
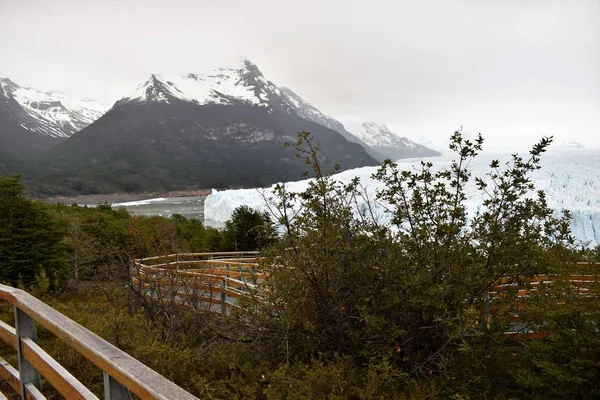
189, 207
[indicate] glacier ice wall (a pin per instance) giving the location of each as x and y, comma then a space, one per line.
570, 178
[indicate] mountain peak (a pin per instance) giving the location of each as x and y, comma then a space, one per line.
6, 80
51, 114
252, 69
381, 138
221, 86
7, 87
154, 89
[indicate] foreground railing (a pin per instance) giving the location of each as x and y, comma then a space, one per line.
123, 374
211, 282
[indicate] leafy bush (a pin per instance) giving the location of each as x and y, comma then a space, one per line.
412, 298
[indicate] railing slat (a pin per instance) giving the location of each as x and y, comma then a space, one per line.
32, 392
56, 374
8, 335
10, 375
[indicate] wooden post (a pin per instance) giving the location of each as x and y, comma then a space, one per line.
223, 298
486, 298
113, 390
241, 269
25, 328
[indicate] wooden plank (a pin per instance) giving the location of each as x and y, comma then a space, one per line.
31, 392
233, 293
138, 378
526, 335
196, 255
182, 282
10, 375
56, 374
588, 264
188, 288
198, 280
218, 270
583, 278
8, 335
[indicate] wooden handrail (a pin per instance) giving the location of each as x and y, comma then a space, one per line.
191, 280
123, 373
180, 279
236, 254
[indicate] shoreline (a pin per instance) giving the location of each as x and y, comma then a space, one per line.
113, 198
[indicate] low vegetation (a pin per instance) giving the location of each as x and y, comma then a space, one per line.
355, 308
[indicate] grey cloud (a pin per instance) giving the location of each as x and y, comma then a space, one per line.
511, 70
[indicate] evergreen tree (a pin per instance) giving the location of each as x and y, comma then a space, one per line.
248, 229
30, 241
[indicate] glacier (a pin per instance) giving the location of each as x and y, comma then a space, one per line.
569, 177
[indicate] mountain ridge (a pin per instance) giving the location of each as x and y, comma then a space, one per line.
227, 127
58, 115
222, 86
161, 137
380, 138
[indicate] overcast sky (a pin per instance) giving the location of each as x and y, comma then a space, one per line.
512, 70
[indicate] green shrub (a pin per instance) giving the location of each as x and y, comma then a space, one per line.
248, 229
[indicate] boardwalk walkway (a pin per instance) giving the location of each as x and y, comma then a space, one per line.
215, 282
210, 282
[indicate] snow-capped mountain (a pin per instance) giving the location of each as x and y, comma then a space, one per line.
380, 138
225, 128
244, 84
51, 114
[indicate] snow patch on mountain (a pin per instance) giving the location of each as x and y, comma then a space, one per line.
222, 86
377, 135
571, 180
53, 113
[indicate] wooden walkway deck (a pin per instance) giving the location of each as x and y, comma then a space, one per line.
211, 282
214, 282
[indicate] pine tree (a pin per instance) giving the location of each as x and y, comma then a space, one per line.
30, 241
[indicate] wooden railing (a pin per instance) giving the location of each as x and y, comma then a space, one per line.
123, 374
584, 282
215, 281
210, 282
